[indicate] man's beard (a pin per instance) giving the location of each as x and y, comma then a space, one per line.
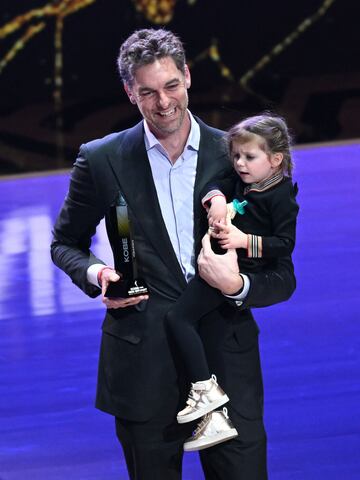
169, 130
173, 128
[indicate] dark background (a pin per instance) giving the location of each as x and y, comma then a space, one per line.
314, 80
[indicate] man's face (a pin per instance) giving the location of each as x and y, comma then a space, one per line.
160, 92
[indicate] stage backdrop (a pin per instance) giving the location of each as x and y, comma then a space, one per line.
59, 85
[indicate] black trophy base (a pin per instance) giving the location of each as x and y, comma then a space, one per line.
126, 288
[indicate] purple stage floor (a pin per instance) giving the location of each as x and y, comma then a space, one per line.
50, 332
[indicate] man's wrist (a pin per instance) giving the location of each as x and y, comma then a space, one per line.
243, 292
100, 274
236, 293
92, 273
235, 285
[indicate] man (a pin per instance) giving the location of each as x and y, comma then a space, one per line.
160, 166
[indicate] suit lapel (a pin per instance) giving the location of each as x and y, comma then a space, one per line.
211, 160
131, 167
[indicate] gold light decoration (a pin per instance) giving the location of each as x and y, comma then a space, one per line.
20, 44
52, 9
36, 20
284, 44
213, 53
156, 11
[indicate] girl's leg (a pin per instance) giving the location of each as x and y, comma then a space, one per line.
205, 395
183, 319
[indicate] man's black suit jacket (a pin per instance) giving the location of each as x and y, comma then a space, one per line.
137, 366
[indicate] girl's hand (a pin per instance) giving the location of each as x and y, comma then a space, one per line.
229, 236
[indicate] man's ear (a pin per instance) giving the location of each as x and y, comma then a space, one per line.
187, 77
129, 94
276, 159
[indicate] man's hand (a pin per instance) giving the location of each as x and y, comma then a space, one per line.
229, 236
109, 275
219, 271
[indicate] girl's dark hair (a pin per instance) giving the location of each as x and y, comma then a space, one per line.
273, 131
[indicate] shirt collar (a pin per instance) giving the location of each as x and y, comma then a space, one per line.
264, 184
193, 140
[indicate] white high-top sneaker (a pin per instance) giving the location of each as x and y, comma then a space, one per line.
215, 428
204, 397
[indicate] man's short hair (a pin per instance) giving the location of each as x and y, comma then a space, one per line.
145, 46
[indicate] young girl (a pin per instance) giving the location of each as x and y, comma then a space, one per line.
263, 210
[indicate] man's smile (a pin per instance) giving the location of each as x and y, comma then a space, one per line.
168, 113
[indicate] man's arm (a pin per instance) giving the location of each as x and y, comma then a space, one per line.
266, 288
75, 226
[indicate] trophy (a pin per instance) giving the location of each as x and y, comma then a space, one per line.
123, 246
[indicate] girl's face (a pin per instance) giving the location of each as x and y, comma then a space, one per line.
252, 163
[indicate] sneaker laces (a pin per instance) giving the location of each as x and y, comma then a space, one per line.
198, 387
193, 397
202, 424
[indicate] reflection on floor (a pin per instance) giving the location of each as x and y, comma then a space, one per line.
310, 345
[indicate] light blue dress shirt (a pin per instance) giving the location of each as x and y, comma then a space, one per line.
174, 183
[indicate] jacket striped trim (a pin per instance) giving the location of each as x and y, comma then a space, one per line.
255, 247
264, 184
